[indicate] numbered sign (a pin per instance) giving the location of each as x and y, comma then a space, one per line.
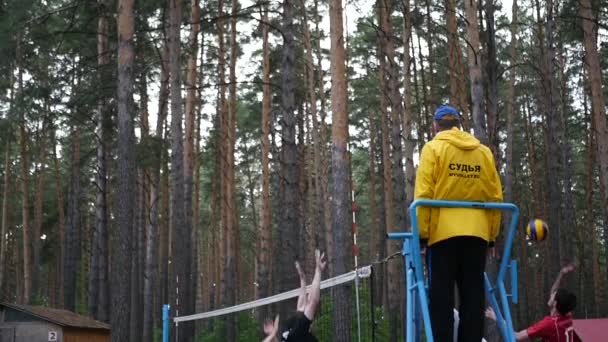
53, 336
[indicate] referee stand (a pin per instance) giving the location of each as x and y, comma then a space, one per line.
417, 310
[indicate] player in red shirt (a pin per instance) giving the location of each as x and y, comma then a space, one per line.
557, 327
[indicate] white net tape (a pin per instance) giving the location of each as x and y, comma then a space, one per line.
363, 272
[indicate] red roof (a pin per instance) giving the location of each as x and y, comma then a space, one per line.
591, 330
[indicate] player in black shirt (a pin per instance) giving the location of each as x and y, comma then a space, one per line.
297, 327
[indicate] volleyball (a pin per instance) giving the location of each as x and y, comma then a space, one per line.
537, 230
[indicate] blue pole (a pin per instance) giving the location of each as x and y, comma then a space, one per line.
166, 323
409, 311
406, 252
514, 290
494, 304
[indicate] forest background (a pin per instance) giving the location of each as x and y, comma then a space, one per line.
149, 145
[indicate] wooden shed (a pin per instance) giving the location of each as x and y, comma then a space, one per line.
25, 323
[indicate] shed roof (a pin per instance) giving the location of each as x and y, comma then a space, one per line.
591, 330
58, 316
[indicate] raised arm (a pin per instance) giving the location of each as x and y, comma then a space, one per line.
565, 270
314, 296
302, 296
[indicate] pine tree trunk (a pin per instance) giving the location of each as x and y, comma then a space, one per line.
492, 82
316, 222
264, 274
597, 290
165, 232
389, 207
98, 279
180, 238
424, 118
25, 219
190, 118
396, 169
126, 175
431, 57
341, 215
38, 215
135, 330
475, 74
594, 71
416, 93
511, 109
325, 239
4, 231
62, 224
568, 215
512, 113
199, 251
290, 230
191, 99
458, 93
152, 223
378, 235
408, 119
73, 227
553, 146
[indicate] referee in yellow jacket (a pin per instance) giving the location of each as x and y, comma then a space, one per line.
455, 166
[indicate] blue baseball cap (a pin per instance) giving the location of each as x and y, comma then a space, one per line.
446, 113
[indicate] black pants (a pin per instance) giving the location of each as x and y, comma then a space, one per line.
460, 261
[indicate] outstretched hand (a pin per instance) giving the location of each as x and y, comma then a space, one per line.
568, 268
299, 269
320, 260
271, 328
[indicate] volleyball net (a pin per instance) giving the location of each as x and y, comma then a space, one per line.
368, 318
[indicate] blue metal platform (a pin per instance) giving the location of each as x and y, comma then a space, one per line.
416, 308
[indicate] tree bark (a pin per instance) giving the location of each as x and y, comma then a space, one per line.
408, 119
389, 208
290, 230
594, 71
38, 211
492, 79
4, 231
180, 238
98, 277
316, 199
189, 166
378, 234
554, 169
25, 219
62, 223
341, 218
264, 274
395, 172
597, 290
475, 74
431, 57
458, 93
224, 294
126, 174
152, 223
73, 224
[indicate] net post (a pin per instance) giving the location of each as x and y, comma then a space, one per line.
166, 323
357, 305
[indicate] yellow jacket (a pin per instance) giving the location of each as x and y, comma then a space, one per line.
455, 166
